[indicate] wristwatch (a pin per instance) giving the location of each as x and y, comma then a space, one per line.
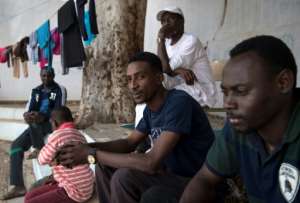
92, 157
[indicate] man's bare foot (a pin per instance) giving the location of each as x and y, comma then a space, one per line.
13, 192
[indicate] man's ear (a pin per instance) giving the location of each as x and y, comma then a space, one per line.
285, 81
160, 78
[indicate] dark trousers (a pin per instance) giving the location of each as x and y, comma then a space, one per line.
33, 136
159, 194
128, 185
48, 193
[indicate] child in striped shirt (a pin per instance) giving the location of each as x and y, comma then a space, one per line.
70, 185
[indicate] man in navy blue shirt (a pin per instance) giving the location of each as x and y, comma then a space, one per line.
177, 126
44, 98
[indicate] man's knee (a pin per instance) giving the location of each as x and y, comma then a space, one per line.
16, 146
21, 141
151, 195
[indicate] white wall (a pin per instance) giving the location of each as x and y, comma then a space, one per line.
244, 18
19, 18
201, 17
19, 89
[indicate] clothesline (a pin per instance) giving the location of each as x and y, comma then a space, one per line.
74, 23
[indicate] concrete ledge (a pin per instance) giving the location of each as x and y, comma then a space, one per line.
12, 113
11, 130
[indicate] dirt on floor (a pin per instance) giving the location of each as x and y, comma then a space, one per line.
4, 146
4, 168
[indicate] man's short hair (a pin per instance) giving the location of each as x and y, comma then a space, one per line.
49, 70
62, 114
272, 50
150, 58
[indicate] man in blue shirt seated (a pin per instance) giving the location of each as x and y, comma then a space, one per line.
261, 140
44, 98
177, 126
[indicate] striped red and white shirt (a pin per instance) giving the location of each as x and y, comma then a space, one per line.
78, 181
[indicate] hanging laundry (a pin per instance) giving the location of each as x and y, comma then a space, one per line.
80, 13
20, 56
15, 63
33, 44
72, 48
25, 68
55, 38
43, 36
9, 54
16, 68
42, 59
3, 57
29, 52
90, 35
44, 41
65, 69
93, 17
20, 50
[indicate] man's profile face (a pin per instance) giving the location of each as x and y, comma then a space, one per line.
143, 82
250, 93
46, 77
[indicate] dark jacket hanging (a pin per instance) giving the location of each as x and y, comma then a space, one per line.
93, 17
80, 13
72, 45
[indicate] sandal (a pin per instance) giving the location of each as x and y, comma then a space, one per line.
14, 192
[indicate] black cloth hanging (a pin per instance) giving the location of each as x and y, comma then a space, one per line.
93, 17
80, 13
73, 49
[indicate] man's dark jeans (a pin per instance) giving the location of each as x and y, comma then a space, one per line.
33, 136
128, 185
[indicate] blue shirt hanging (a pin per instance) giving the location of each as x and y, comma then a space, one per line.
90, 35
44, 41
